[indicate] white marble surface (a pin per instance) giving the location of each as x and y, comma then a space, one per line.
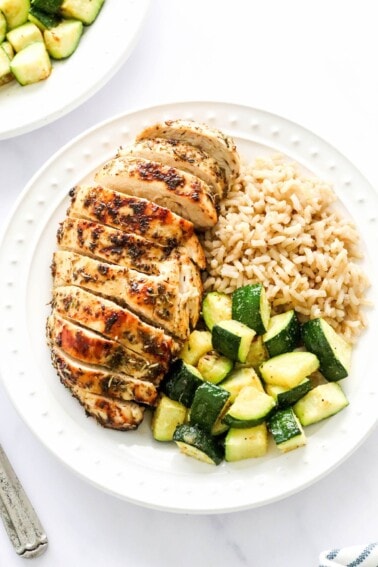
311, 62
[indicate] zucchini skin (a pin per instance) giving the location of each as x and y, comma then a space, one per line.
249, 306
208, 403
193, 437
287, 398
286, 339
232, 339
49, 6
316, 342
181, 383
286, 430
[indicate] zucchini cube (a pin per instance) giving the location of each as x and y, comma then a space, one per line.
233, 339
286, 430
321, 402
246, 443
333, 352
289, 369
167, 416
198, 344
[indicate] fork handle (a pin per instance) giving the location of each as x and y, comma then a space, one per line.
20, 519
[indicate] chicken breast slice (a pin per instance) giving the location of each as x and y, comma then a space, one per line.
109, 412
213, 142
155, 298
114, 322
181, 156
101, 381
87, 346
181, 192
136, 216
111, 244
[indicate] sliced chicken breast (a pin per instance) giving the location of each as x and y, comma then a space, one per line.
155, 298
181, 192
90, 347
114, 322
214, 143
109, 412
136, 216
180, 156
101, 381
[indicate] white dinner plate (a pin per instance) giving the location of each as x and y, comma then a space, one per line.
131, 465
104, 47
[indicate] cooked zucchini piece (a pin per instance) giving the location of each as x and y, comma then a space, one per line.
195, 442
283, 333
3, 27
62, 40
31, 64
47, 6
43, 20
333, 352
209, 402
257, 353
198, 344
286, 397
84, 10
286, 430
214, 367
6, 74
246, 443
181, 382
216, 307
321, 402
240, 378
24, 35
251, 307
233, 339
168, 414
289, 369
15, 12
251, 407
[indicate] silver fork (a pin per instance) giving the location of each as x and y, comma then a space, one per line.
20, 519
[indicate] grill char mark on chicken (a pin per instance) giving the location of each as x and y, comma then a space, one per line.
102, 381
209, 140
90, 347
111, 244
181, 192
137, 216
114, 322
180, 155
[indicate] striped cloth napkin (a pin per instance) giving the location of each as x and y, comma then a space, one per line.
356, 556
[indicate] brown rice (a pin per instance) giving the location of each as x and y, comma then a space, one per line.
279, 227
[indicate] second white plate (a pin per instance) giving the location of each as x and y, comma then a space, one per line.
104, 47
131, 465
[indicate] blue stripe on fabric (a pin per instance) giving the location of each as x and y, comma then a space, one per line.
364, 555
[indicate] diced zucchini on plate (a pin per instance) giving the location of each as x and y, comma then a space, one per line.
249, 377
32, 32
